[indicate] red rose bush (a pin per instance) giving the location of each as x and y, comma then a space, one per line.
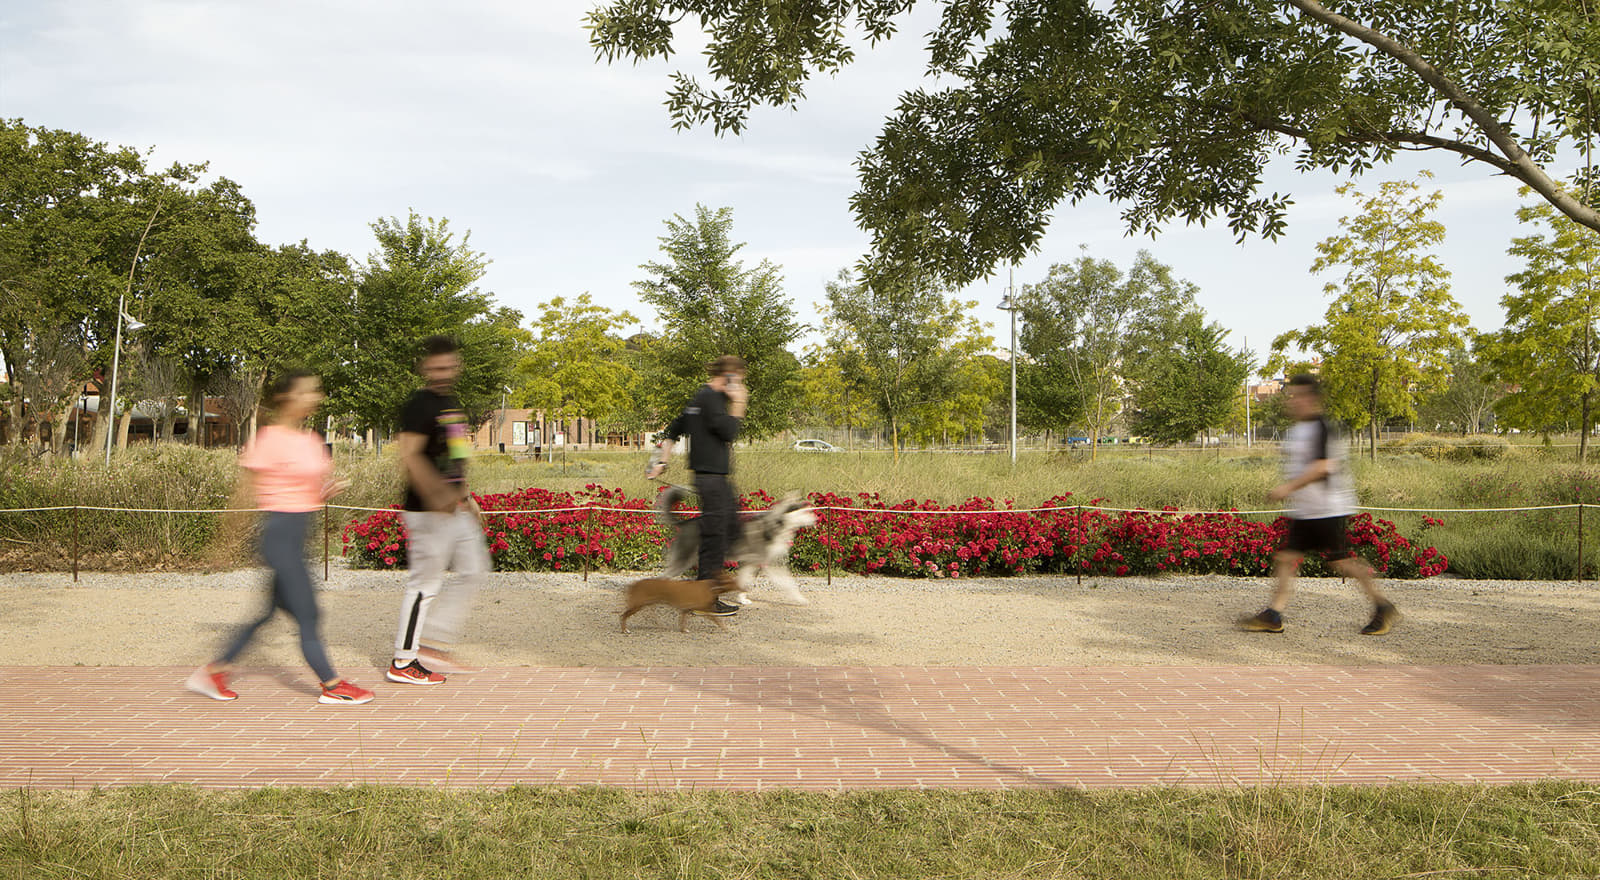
538, 530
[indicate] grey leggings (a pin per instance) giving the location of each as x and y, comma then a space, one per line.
283, 548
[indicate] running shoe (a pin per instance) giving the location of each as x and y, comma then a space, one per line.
1268, 621
412, 673
345, 692
210, 684
1384, 617
720, 609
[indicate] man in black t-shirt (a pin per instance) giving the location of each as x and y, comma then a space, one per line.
711, 421
443, 522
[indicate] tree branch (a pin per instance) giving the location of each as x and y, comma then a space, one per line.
1517, 162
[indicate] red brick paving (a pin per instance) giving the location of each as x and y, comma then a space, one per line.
812, 728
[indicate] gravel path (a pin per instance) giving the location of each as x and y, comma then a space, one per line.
525, 619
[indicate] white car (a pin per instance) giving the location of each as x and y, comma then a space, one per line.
814, 446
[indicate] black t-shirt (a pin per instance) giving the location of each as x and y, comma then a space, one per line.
438, 417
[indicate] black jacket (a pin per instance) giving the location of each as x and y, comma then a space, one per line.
705, 421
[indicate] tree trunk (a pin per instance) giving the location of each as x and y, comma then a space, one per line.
1372, 424
124, 421
98, 441
1583, 430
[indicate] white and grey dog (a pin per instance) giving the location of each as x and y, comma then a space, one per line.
762, 545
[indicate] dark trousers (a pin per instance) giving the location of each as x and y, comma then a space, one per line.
283, 548
719, 522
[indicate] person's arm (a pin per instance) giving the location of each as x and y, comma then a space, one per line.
1317, 470
425, 479
663, 454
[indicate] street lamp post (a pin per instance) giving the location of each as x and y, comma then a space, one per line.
110, 408
1010, 305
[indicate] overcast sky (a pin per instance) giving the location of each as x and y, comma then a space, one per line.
496, 115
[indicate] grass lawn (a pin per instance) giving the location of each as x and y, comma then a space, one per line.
1541, 830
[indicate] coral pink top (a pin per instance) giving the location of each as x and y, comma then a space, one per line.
290, 468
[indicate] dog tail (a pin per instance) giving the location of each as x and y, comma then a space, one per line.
664, 501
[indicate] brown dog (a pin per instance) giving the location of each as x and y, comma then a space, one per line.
686, 596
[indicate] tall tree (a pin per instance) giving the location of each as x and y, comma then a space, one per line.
1082, 328
1389, 331
421, 281
1173, 108
1549, 349
70, 212
1188, 381
903, 345
709, 305
576, 364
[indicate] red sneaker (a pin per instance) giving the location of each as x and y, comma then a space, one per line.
412, 673
345, 692
210, 684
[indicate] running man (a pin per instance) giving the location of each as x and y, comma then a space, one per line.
1321, 497
711, 421
286, 469
442, 519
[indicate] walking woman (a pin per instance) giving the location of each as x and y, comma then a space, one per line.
287, 470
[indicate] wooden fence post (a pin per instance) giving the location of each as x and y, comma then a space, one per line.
74, 544
1077, 514
327, 524
1580, 538
588, 539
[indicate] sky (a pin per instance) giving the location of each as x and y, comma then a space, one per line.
496, 115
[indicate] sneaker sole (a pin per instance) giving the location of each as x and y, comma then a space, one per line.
402, 679
209, 692
335, 701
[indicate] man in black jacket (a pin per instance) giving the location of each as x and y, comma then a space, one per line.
711, 421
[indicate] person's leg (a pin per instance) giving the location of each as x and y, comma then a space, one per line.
716, 502
468, 557
427, 551
1344, 560
1285, 568
283, 547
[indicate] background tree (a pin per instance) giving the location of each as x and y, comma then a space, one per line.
576, 363
709, 305
1549, 348
1466, 403
420, 281
1387, 336
903, 345
70, 210
1188, 381
827, 396
1082, 329
1173, 108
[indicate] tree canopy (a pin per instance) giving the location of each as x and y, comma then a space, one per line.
1171, 108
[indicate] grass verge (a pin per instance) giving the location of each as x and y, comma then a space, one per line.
1546, 829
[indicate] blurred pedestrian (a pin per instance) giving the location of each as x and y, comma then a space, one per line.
287, 472
712, 421
1321, 498
441, 518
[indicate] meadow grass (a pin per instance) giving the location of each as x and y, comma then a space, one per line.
1546, 829
1533, 544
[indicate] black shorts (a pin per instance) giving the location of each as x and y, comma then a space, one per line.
1328, 536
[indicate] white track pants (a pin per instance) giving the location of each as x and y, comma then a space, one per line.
439, 542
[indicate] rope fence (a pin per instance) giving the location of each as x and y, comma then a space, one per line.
590, 510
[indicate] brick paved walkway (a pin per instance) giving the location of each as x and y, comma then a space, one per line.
813, 728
